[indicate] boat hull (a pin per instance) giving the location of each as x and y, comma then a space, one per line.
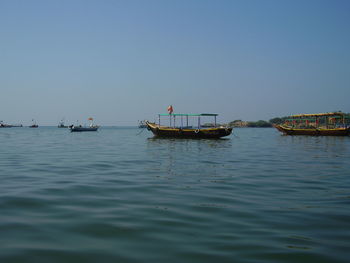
313, 132
83, 129
169, 132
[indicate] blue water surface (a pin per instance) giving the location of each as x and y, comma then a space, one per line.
118, 195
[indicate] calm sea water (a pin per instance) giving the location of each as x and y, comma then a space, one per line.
115, 196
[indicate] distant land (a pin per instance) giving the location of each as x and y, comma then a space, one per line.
263, 123
254, 124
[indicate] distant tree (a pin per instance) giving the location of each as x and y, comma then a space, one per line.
259, 124
233, 123
278, 120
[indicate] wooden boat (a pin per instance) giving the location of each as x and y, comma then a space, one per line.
186, 131
79, 128
321, 124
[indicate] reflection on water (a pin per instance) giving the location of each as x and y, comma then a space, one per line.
324, 145
186, 156
222, 142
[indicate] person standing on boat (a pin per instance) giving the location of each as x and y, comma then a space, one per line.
170, 109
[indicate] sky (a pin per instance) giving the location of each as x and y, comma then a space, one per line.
124, 61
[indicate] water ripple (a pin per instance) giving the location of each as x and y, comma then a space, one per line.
113, 196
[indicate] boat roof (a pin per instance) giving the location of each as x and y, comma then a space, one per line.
190, 115
338, 113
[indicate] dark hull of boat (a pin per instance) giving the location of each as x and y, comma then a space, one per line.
82, 129
313, 132
169, 132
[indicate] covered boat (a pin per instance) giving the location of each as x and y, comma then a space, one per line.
4, 125
184, 130
79, 128
320, 124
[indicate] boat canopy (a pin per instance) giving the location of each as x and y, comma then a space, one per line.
186, 116
339, 113
313, 118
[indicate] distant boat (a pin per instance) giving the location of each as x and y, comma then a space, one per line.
4, 125
79, 128
34, 125
61, 124
320, 124
186, 131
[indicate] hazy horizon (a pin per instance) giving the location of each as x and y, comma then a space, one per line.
124, 61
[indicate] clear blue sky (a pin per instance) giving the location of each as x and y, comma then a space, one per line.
123, 61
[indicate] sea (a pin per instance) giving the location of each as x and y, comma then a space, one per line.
120, 195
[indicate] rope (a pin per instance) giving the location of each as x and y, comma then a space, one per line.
140, 131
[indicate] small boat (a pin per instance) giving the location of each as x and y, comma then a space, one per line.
61, 124
34, 125
4, 125
320, 124
186, 131
79, 128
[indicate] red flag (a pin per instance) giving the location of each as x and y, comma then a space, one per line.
90, 119
170, 109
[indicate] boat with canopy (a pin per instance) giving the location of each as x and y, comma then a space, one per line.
179, 127
79, 128
320, 124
